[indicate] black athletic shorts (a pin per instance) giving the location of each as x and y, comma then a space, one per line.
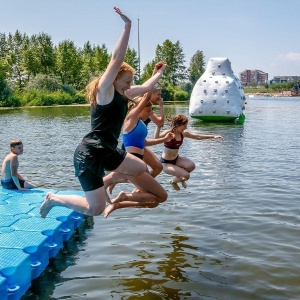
90, 169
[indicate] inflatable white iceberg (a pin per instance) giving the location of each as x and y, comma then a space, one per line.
218, 94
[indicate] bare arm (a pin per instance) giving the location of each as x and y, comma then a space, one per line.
164, 133
157, 132
105, 86
159, 120
147, 86
133, 116
166, 138
14, 164
197, 136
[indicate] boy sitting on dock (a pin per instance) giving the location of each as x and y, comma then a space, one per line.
10, 178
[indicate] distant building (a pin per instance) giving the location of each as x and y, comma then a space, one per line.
253, 76
280, 79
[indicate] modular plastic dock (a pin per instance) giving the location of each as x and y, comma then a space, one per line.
27, 241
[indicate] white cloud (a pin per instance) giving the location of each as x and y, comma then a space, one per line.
291, 56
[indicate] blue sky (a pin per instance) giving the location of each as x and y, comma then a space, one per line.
256, 34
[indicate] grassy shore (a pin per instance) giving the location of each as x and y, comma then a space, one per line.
262, 91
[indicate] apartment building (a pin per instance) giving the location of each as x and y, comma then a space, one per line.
253, 76
281, 79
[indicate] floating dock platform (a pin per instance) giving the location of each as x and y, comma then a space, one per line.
27, 241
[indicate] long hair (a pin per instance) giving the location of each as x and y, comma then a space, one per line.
91, 88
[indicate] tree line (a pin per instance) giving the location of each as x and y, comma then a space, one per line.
34, 71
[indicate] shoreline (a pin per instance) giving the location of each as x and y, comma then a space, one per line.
257, 94
283, 94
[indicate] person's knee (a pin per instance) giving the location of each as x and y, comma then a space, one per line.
97, 208
96, 201
163, 196
191, 167
140, 169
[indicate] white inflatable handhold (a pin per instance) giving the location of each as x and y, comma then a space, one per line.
217, 100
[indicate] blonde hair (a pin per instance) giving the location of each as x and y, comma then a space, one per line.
91, 88
179, 120
134, 103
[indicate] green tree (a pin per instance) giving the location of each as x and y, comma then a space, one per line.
132, 59
4, 89
147, 70
101, 58
43, 52
16, 62
68, 63
95, 61
175, 71
197, 67
88, 65
3, 46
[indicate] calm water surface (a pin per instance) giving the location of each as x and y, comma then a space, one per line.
233, 234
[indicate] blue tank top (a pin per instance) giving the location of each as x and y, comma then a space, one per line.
136, 137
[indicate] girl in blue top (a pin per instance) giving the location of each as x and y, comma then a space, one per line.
158, 119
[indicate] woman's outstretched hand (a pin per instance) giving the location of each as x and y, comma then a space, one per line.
125, 18
159, 66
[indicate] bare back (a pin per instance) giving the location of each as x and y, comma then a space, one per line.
9, 166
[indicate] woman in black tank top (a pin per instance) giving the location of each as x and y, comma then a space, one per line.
108, 95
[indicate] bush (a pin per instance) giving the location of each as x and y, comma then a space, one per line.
5, 91
11, 101
43, 82
181, 96
48, 83
43, 98
79, 98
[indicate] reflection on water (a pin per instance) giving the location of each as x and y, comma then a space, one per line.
46, 283
233, 234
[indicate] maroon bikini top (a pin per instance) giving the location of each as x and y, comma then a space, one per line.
174, 144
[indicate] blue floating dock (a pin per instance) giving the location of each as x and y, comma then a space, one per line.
27, 241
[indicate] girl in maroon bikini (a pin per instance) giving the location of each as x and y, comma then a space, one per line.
174, 164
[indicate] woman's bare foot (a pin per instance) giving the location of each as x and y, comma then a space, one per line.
121, 197
184, 185
175, 185
111, 187
46, 205
109, 209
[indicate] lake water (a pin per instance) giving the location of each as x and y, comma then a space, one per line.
233, 234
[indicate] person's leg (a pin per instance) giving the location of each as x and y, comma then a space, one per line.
92, 204
185, 163
151, 160
131, 166
150, 195
28, 185
179, 173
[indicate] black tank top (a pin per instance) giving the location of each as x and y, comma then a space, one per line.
147, 121
107, 121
